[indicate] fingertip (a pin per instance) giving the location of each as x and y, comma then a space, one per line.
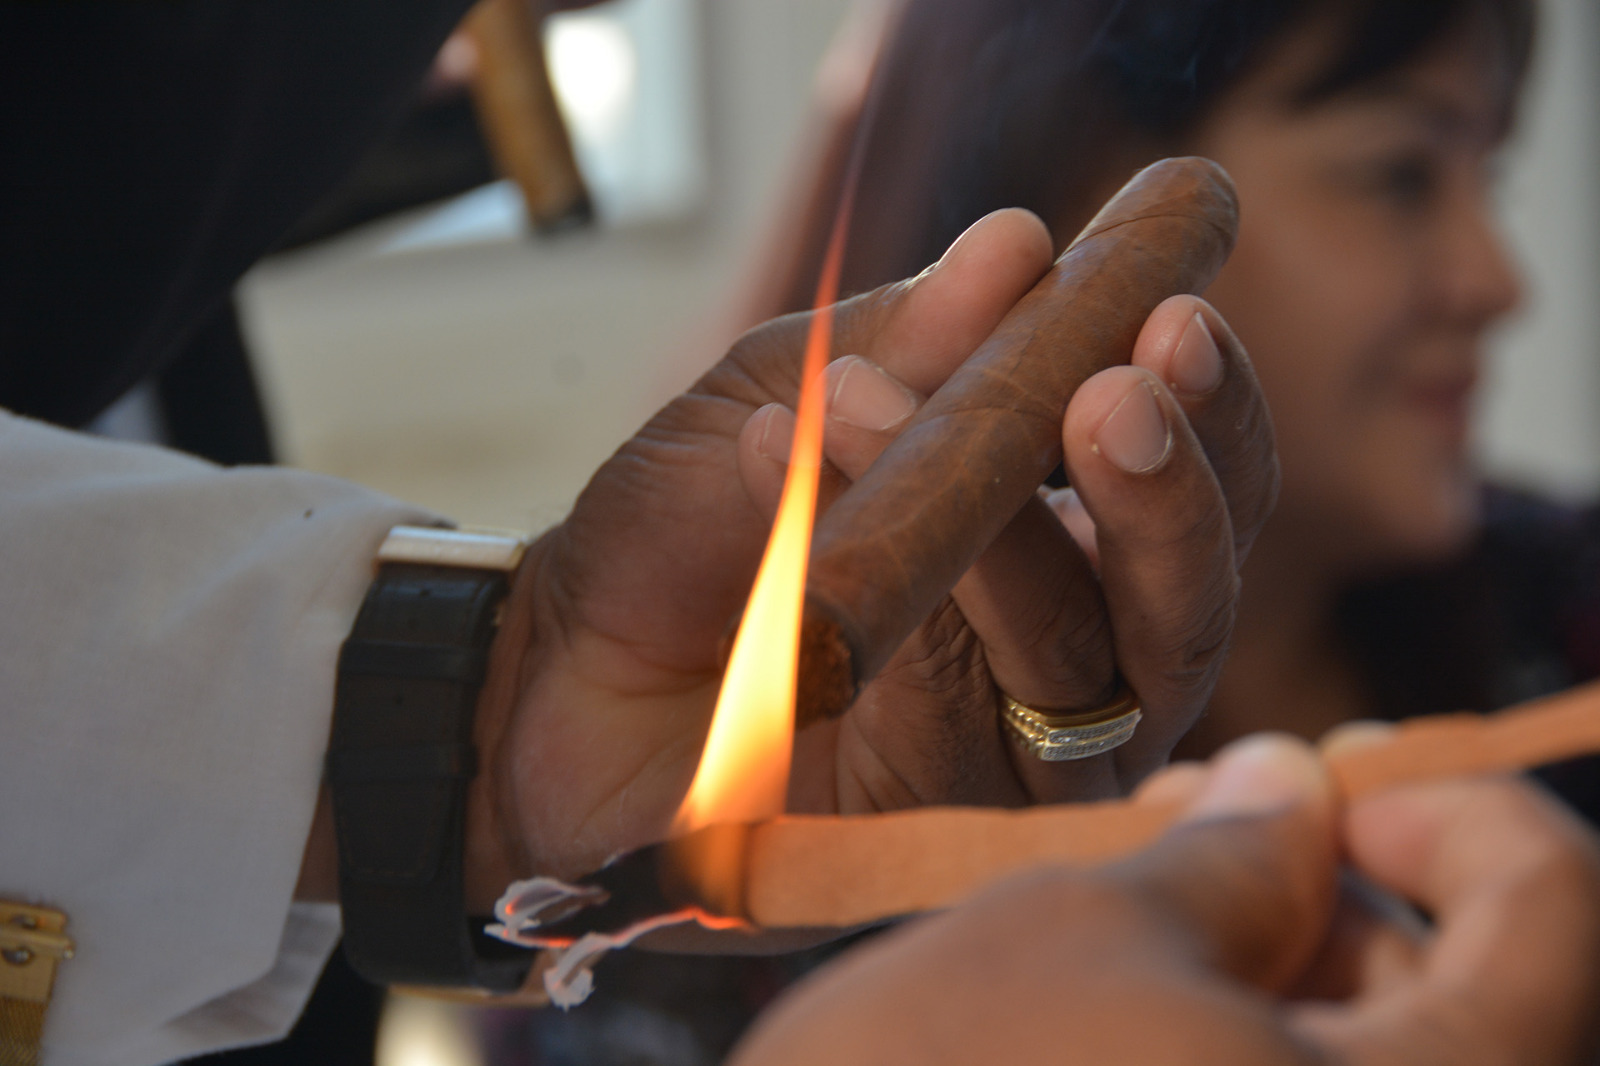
1121, 416
1251, 867
1262, 774
1163, 328
769, 433
775, 432
762, 473
1196, 365
952, 307
1013, 234
1179, 345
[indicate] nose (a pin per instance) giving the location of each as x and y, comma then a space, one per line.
1479, 278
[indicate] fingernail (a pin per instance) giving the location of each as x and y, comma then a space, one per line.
1136, 438
1196, 366
777, 432
1258, 775
866, 397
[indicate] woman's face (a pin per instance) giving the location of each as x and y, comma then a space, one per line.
1367, 270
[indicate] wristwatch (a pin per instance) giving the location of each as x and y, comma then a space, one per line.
401, 756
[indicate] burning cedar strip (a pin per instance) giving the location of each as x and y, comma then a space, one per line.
831, 872
897, 541
930, 859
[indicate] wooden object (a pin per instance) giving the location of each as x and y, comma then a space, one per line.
897, 541
837, 872
521, 119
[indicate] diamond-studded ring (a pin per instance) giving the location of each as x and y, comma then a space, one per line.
1063, 737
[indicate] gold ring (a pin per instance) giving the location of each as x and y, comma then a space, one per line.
1063, 737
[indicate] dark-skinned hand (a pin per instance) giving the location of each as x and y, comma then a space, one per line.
603, 678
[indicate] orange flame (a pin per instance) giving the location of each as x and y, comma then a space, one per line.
744, 769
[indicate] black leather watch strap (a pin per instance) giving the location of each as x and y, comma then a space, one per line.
399, 761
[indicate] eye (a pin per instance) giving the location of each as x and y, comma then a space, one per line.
1410, 182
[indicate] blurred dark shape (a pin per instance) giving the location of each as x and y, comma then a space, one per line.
154, 152
1516, 618
650, 1009
339, 1027
209, 401
436, 152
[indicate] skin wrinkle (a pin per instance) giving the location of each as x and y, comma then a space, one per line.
1080, 647
743, 377
1068, 650
1206, 637
575, 618
673, 441
951, 655
951, 664
874, 799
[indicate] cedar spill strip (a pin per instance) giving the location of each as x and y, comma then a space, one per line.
813, 871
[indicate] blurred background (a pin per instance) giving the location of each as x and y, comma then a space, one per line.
445, 356
442, 354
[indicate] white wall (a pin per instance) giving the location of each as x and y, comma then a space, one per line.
488, 381
1542, 409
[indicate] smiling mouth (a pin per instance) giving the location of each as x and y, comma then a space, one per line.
1445, 399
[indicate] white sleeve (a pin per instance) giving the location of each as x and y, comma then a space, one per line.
168, 636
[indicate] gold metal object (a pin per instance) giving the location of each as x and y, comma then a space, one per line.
32, 942
1063, 737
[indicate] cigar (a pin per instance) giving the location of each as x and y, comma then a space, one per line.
898, 540
839, 872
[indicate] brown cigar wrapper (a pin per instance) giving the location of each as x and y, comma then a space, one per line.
805, 871
898, 540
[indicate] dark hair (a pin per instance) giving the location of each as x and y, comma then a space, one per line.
982, 104
1170, 59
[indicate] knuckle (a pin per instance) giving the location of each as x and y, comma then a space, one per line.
1069, 642
945, 657
1191, 650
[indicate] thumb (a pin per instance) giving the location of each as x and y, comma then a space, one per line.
1247, 881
